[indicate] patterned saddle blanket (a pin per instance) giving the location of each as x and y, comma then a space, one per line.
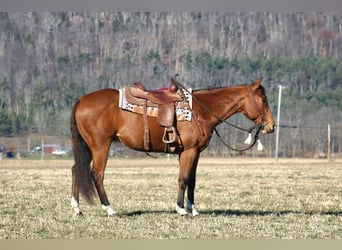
134, 104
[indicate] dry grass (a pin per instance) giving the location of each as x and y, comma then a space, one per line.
237, 199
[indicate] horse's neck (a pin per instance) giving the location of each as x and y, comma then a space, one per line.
221, 102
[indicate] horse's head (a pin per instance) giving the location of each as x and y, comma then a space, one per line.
256, 107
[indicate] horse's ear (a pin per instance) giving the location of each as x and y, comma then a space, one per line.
256, 84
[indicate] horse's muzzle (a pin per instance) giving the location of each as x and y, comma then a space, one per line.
267, 129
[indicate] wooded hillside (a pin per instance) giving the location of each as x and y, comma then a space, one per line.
48, 60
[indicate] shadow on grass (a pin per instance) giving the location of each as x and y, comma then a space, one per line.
141, 212
267, 213
236, 213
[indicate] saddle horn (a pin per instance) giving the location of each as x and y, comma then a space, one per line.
173, 86
174, 78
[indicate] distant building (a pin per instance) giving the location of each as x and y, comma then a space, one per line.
47, 148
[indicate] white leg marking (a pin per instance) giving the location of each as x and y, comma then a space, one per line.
180, 210
109, 210
75, 206
191, 209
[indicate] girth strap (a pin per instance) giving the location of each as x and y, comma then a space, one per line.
146, 128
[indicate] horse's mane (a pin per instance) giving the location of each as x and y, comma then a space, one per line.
210, 88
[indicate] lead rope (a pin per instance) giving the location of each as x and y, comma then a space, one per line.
251, 144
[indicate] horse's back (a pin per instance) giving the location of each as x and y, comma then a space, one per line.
100, 97
97, 101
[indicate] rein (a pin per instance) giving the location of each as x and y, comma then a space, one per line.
258, 126
210, 112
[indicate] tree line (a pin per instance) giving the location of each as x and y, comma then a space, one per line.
49, 60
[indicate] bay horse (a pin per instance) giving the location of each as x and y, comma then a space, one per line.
96, 120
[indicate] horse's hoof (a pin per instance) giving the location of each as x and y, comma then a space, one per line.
181, 211
78, 214
109, 210
192, 211
77, 211
111, 214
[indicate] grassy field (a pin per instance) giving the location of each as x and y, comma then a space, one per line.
236, 198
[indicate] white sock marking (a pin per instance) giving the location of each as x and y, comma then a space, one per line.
74, 205
109, 210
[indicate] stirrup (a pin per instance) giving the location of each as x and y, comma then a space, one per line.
168, 137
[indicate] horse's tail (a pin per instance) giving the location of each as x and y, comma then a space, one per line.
82, 156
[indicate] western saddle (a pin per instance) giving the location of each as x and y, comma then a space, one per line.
165, 100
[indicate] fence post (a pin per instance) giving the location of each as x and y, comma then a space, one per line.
42, 147
329, 146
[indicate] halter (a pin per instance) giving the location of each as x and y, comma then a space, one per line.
256, 126
255, 104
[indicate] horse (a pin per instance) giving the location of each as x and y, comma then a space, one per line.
97, 120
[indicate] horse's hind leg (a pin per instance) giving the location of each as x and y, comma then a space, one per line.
99, 164
75, 193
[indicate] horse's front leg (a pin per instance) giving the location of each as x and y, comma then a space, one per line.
191, 189
187, 177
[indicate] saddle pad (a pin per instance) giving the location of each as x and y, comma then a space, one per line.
183, 112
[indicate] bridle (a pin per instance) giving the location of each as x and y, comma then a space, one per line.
257, 126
